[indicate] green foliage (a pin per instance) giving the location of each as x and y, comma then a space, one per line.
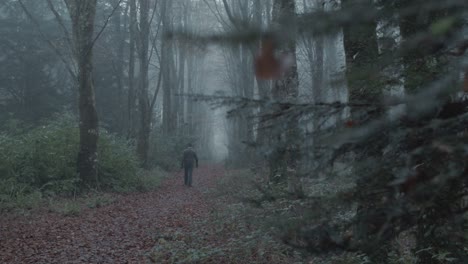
14, 195
166, 150
442, 26
42, 158
66, 207
143, 181
117, 163
99, 200
43, 161
149, 180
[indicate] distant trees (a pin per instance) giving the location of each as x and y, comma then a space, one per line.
130, 63
239, 77
33, 82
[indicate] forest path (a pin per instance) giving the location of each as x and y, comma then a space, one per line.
122, 232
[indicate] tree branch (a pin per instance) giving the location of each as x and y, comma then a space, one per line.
153, 101
60, 22
105, 25
70, 70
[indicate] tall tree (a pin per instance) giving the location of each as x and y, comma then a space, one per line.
143, 101
119, 62
82, 14
361, 48
131, 114
167, 59
287, 153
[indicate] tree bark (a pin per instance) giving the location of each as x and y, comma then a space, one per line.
287, 152
167, 61
144, 106
131, 71
119, 68
82, 15
361, 48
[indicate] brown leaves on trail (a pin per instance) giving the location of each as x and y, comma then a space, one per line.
123, 232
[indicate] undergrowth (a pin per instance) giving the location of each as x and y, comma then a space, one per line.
262, 214
40, 163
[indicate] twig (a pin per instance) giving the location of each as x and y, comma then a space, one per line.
104, 26
60, 22
48, 41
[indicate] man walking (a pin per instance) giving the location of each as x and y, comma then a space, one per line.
188, 160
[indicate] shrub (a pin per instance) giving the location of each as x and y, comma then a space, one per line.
97, 201
66, 208
118, 164
43, 160
149, 180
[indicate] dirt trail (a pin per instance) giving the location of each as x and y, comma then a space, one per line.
122, 232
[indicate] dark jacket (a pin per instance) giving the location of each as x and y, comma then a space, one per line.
189, 158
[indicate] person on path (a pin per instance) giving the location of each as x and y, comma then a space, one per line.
189, 159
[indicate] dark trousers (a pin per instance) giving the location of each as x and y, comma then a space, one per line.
188, 175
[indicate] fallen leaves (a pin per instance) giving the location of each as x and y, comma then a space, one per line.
120, 232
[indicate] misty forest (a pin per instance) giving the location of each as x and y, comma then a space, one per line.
234, 131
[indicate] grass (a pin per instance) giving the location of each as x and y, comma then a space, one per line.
20, 202
66, 207
99, 200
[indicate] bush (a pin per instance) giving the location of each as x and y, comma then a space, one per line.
44, 160
20, 196
66, 208
149, 180
118, 164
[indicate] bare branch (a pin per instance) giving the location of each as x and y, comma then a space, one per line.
158, 87
60, 22
105, 23
57, 51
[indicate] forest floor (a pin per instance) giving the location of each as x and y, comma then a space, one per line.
172, 224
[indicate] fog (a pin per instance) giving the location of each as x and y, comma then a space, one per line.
303, 131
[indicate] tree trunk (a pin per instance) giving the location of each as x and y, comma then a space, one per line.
119, 69
145, 122
82, 15
287, 153
181, 79
365, 86
190, 103
416, 69
361, 48
131, 71
167, 61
